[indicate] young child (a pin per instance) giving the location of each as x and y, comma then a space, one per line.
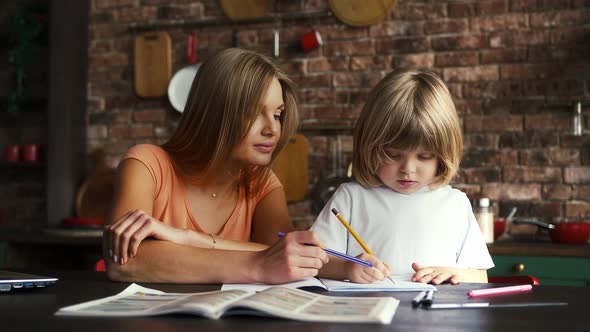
205, 206
407, 147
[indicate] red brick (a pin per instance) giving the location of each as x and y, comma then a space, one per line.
547, 121
421, 60
576, 175
162, 132
315, 81
503, 55
153, 115
326, 112
453, 43
469, 189
458, 59
571, 141
525, 71
108, 60
456, 90
401, 45
317, 96
183, 11
518, 38
527, 174
482, 141
419, 11
396, 29
499, 23
348, 79
446, 26
97, 131
484, 123
119, 131
546, 210
143, 130
342, 32
492, 90
559, 18
560, 192
568, 36
470, 74
102, 4
137, 14
565, 157
121, 116
577, 209
479, 157
482, 175
492, 7
341, 96
460, 9
370, 62
364, 47
515, 192
319, 65
523, 5
359, 97
95, 104
581, 192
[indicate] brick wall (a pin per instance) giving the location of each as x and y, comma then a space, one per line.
515, 67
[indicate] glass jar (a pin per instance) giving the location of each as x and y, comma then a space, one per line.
484, 214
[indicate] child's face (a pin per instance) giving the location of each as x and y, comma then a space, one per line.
408, 171
260, 142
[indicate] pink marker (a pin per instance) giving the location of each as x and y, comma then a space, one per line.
499, 290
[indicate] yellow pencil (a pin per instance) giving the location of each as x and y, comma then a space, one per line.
356, 236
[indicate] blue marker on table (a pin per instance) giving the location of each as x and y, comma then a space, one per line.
341, 255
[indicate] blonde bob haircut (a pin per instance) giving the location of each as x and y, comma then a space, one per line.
223, 102
407, 109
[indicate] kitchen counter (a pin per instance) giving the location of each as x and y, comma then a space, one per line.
539, 248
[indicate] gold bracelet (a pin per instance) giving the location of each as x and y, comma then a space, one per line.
212, 239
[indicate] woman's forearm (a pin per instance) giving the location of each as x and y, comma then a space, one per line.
209, 241
165, 261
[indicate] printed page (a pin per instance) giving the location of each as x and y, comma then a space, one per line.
309, 282
306, 306
137, 301
402, 284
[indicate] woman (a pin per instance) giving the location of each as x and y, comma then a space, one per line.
187, 211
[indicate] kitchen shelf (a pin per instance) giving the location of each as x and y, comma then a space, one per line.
215, 21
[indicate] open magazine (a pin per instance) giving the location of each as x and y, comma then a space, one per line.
402, 284
281, 302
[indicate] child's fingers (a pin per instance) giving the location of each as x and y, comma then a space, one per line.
440, 278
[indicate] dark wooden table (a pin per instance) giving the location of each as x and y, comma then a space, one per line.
33, 311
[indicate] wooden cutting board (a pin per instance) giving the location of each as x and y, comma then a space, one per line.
291, 166
361, 13
153, 63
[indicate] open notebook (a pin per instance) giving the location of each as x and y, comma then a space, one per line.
402, 284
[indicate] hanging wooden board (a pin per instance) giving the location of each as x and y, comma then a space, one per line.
291, 167
245, 9
361, 13
153, 64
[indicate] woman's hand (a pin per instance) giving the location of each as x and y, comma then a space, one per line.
366, 275
124, 235
291, 258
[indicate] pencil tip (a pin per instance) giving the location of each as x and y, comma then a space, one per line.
334, 211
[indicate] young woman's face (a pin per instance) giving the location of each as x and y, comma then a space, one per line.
407, 171
261, 140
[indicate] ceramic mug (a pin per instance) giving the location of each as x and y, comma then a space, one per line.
12, 153
30, 152
311, 40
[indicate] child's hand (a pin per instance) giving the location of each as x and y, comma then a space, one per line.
436, 274
366, 275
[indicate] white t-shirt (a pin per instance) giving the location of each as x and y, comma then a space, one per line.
431, 227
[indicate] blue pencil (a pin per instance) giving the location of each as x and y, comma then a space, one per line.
342, 255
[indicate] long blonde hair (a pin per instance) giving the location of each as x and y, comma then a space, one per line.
408, 108
221, 107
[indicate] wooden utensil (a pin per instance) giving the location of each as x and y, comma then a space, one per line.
153, 64
245, 9
291, 167
361, 13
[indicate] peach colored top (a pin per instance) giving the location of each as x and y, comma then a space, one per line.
170, 202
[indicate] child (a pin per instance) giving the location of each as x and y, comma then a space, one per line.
209, 191
407, 147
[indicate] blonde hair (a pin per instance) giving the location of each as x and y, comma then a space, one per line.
221, 107
407, 109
